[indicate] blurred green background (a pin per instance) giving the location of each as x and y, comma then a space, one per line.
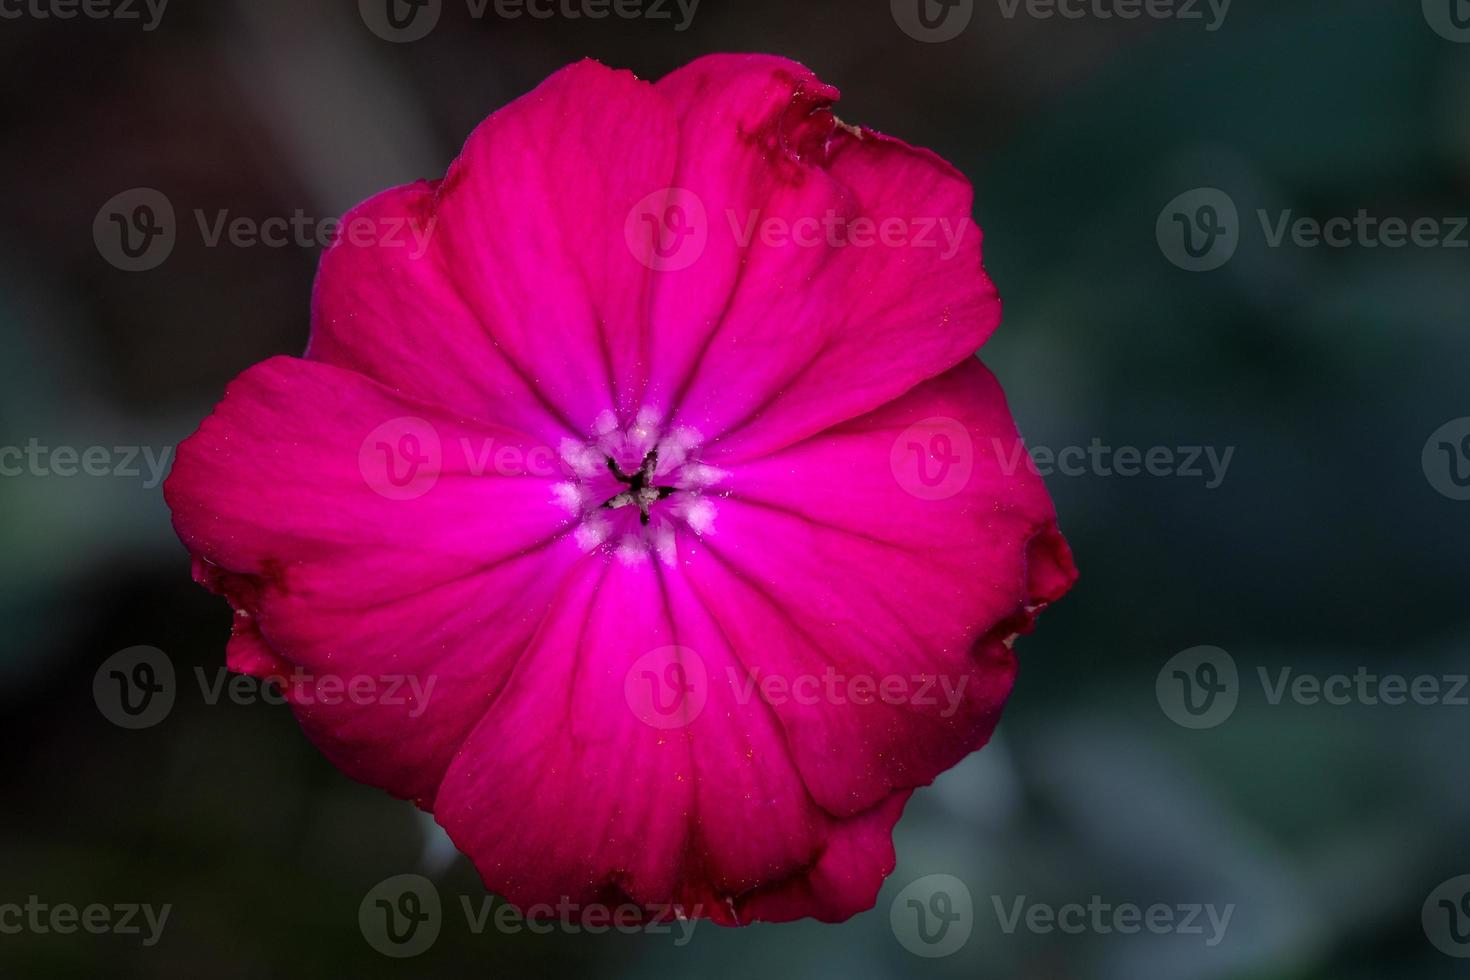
1326, 548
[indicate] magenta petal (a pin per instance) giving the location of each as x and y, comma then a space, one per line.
532, 220
276, 494
769, 338
846, 876
565, 789
386, 306
827, 561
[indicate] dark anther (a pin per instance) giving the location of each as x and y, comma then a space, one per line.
638, 485
612, 465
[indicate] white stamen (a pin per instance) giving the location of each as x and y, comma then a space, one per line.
698, 513
702, 475
605, 422
593, 530
584, 460
674, 450
569, 496
645, 429
663, 543
632, 550
610, 439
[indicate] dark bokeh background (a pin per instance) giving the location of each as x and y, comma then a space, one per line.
1326, 548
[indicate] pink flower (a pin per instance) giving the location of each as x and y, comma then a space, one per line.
647, 451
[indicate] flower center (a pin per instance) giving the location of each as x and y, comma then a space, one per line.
642, 491
642, 471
